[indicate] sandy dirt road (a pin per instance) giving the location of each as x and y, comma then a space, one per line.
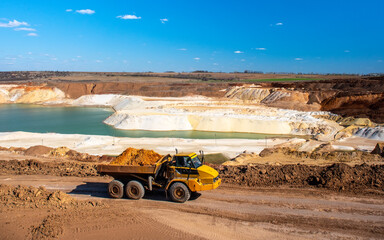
225, 213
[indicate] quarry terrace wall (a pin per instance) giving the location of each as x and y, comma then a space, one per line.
362, 97
149, 89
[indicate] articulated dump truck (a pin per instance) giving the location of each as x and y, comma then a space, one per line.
180, 176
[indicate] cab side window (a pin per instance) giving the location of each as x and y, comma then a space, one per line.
182, 161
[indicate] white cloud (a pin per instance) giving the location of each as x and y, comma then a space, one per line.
243, 60
69, 10
299, 59
29, 53
279, 24
261, 49
98, 61
78, 56
216, 64
379, 60
164, 20
85, 11
196, 58
182, 49
127, 16
25, 29
10, 58
54, 59
347, 51
238, 51
32, 34
14, 23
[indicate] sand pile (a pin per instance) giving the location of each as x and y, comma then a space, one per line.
64, 152
16, 149
27, 196
318, 154
137, 157
38, 150
60, 151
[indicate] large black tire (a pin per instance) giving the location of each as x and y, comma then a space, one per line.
116, 189
134, 190
179, 192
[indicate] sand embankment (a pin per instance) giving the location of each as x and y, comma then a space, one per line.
30, 94
207, 114
107, 145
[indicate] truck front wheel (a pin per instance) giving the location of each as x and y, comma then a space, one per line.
134, 190
116, 189
179, 192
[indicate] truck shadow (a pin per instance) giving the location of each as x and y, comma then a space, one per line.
94, 189
99, 190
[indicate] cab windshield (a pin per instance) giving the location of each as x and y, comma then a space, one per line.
196, 162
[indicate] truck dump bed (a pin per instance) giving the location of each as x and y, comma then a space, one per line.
113, 169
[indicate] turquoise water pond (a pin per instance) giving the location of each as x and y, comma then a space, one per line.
88, 120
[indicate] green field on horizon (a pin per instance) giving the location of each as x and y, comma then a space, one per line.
281, 80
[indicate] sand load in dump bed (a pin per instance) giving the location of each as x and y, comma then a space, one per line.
137, 157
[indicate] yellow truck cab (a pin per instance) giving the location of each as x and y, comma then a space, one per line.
179, 175
188, 168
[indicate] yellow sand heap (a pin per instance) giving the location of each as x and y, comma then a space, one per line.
137, 157
60, 151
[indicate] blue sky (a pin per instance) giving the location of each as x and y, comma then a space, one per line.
277, 35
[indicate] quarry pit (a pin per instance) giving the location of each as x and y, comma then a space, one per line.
325, 182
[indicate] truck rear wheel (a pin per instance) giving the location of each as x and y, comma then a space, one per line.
134, 190
179, 192
116, 189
